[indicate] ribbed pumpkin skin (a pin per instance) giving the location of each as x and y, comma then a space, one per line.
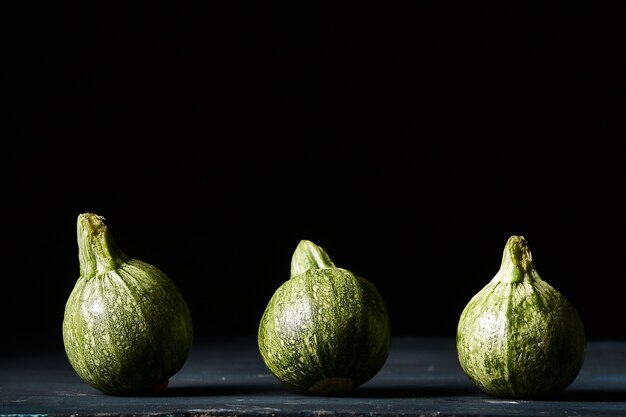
127, 330
518, 337
325, 330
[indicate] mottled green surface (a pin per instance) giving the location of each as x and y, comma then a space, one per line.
325, 330
518, 337
126, 326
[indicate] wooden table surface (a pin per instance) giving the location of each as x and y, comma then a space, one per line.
422, 377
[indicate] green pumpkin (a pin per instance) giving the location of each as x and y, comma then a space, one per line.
519, 337
126, 327
325, 330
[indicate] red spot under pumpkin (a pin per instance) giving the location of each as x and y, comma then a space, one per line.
160, 387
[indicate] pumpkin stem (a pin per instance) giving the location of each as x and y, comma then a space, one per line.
309, 256
517, 263
97, 251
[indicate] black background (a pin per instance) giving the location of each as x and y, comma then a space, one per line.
409, 141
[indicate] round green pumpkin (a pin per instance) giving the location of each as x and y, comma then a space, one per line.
325, 330
126, 327
519, 337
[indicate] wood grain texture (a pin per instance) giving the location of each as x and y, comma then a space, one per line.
422, 377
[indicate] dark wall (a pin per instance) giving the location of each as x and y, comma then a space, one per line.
408, 141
